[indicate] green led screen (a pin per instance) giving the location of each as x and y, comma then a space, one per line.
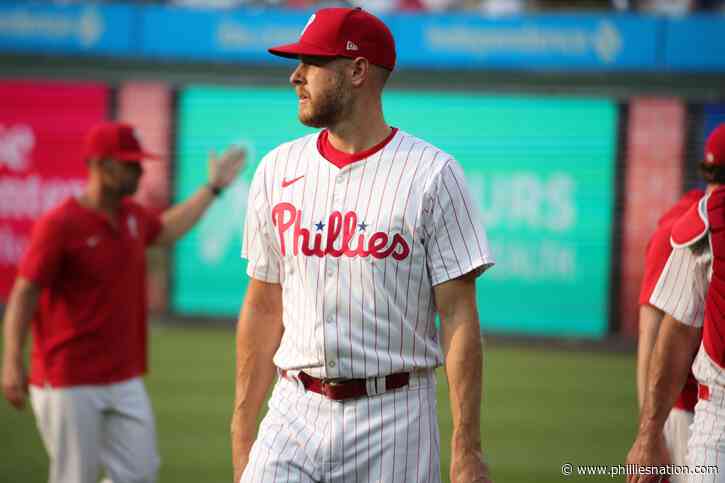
541, 170
209, 277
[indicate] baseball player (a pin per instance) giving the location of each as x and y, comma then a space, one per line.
689, 292
356, 236
676, 430
82, 284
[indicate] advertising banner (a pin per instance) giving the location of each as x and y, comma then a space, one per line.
42, 126
147, 105
540, 169
440, 41
542, 42
239, 36
582, 42
42, 27
693, 43
655, 150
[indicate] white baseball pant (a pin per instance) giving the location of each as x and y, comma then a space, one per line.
707, 439
89, 428
677, 434
306, 438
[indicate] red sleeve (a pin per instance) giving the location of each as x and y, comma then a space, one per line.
44, 254
151, 224
658, 251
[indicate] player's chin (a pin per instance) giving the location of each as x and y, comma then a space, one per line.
309, 119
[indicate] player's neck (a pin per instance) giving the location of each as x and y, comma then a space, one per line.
359, 132
99, 199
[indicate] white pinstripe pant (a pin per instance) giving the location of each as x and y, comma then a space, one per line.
707, 437
305, 437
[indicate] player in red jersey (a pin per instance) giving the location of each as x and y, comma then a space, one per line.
82, 284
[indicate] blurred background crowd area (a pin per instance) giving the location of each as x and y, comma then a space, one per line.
673, 7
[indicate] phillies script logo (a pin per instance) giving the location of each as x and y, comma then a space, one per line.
339, 227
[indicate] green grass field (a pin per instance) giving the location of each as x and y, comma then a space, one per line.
542, 408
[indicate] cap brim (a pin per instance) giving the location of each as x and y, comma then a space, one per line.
293, 51
137, 156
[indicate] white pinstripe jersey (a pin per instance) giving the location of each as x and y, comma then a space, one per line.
357, 252
681, 291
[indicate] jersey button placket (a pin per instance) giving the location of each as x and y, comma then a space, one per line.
338, 190
330, 317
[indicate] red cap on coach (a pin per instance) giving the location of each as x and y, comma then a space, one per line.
715, 146
115, 140
343, 32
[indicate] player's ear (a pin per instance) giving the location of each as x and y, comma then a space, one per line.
93, 163
360, 68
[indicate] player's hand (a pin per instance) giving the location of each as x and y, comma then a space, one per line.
224, 169
15, 383
468, 466
647, 450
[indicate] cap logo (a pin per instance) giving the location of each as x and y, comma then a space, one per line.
351, 46
309, 22
710, 158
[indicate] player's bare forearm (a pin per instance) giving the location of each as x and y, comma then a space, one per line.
670, 363
18, 314
461, 338
180, 218
649, 324
259, 333
463, 362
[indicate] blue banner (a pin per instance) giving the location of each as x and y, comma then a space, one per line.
239, 36
68, 29
560, 42
544, 42
695, 44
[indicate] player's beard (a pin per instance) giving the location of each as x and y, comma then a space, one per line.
328, 108
129, 187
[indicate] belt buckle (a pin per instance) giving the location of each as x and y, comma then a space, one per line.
333, 382
328, 385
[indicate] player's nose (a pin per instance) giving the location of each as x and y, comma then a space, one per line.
296, 78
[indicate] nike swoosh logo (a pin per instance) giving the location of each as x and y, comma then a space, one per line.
286, 183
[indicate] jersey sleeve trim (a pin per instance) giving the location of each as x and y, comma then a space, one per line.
262, 275
692, 226
480, 265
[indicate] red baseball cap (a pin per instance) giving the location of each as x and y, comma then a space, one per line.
115, 140
343, 32
715, 146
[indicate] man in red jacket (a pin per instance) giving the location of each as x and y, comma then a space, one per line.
82, 285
